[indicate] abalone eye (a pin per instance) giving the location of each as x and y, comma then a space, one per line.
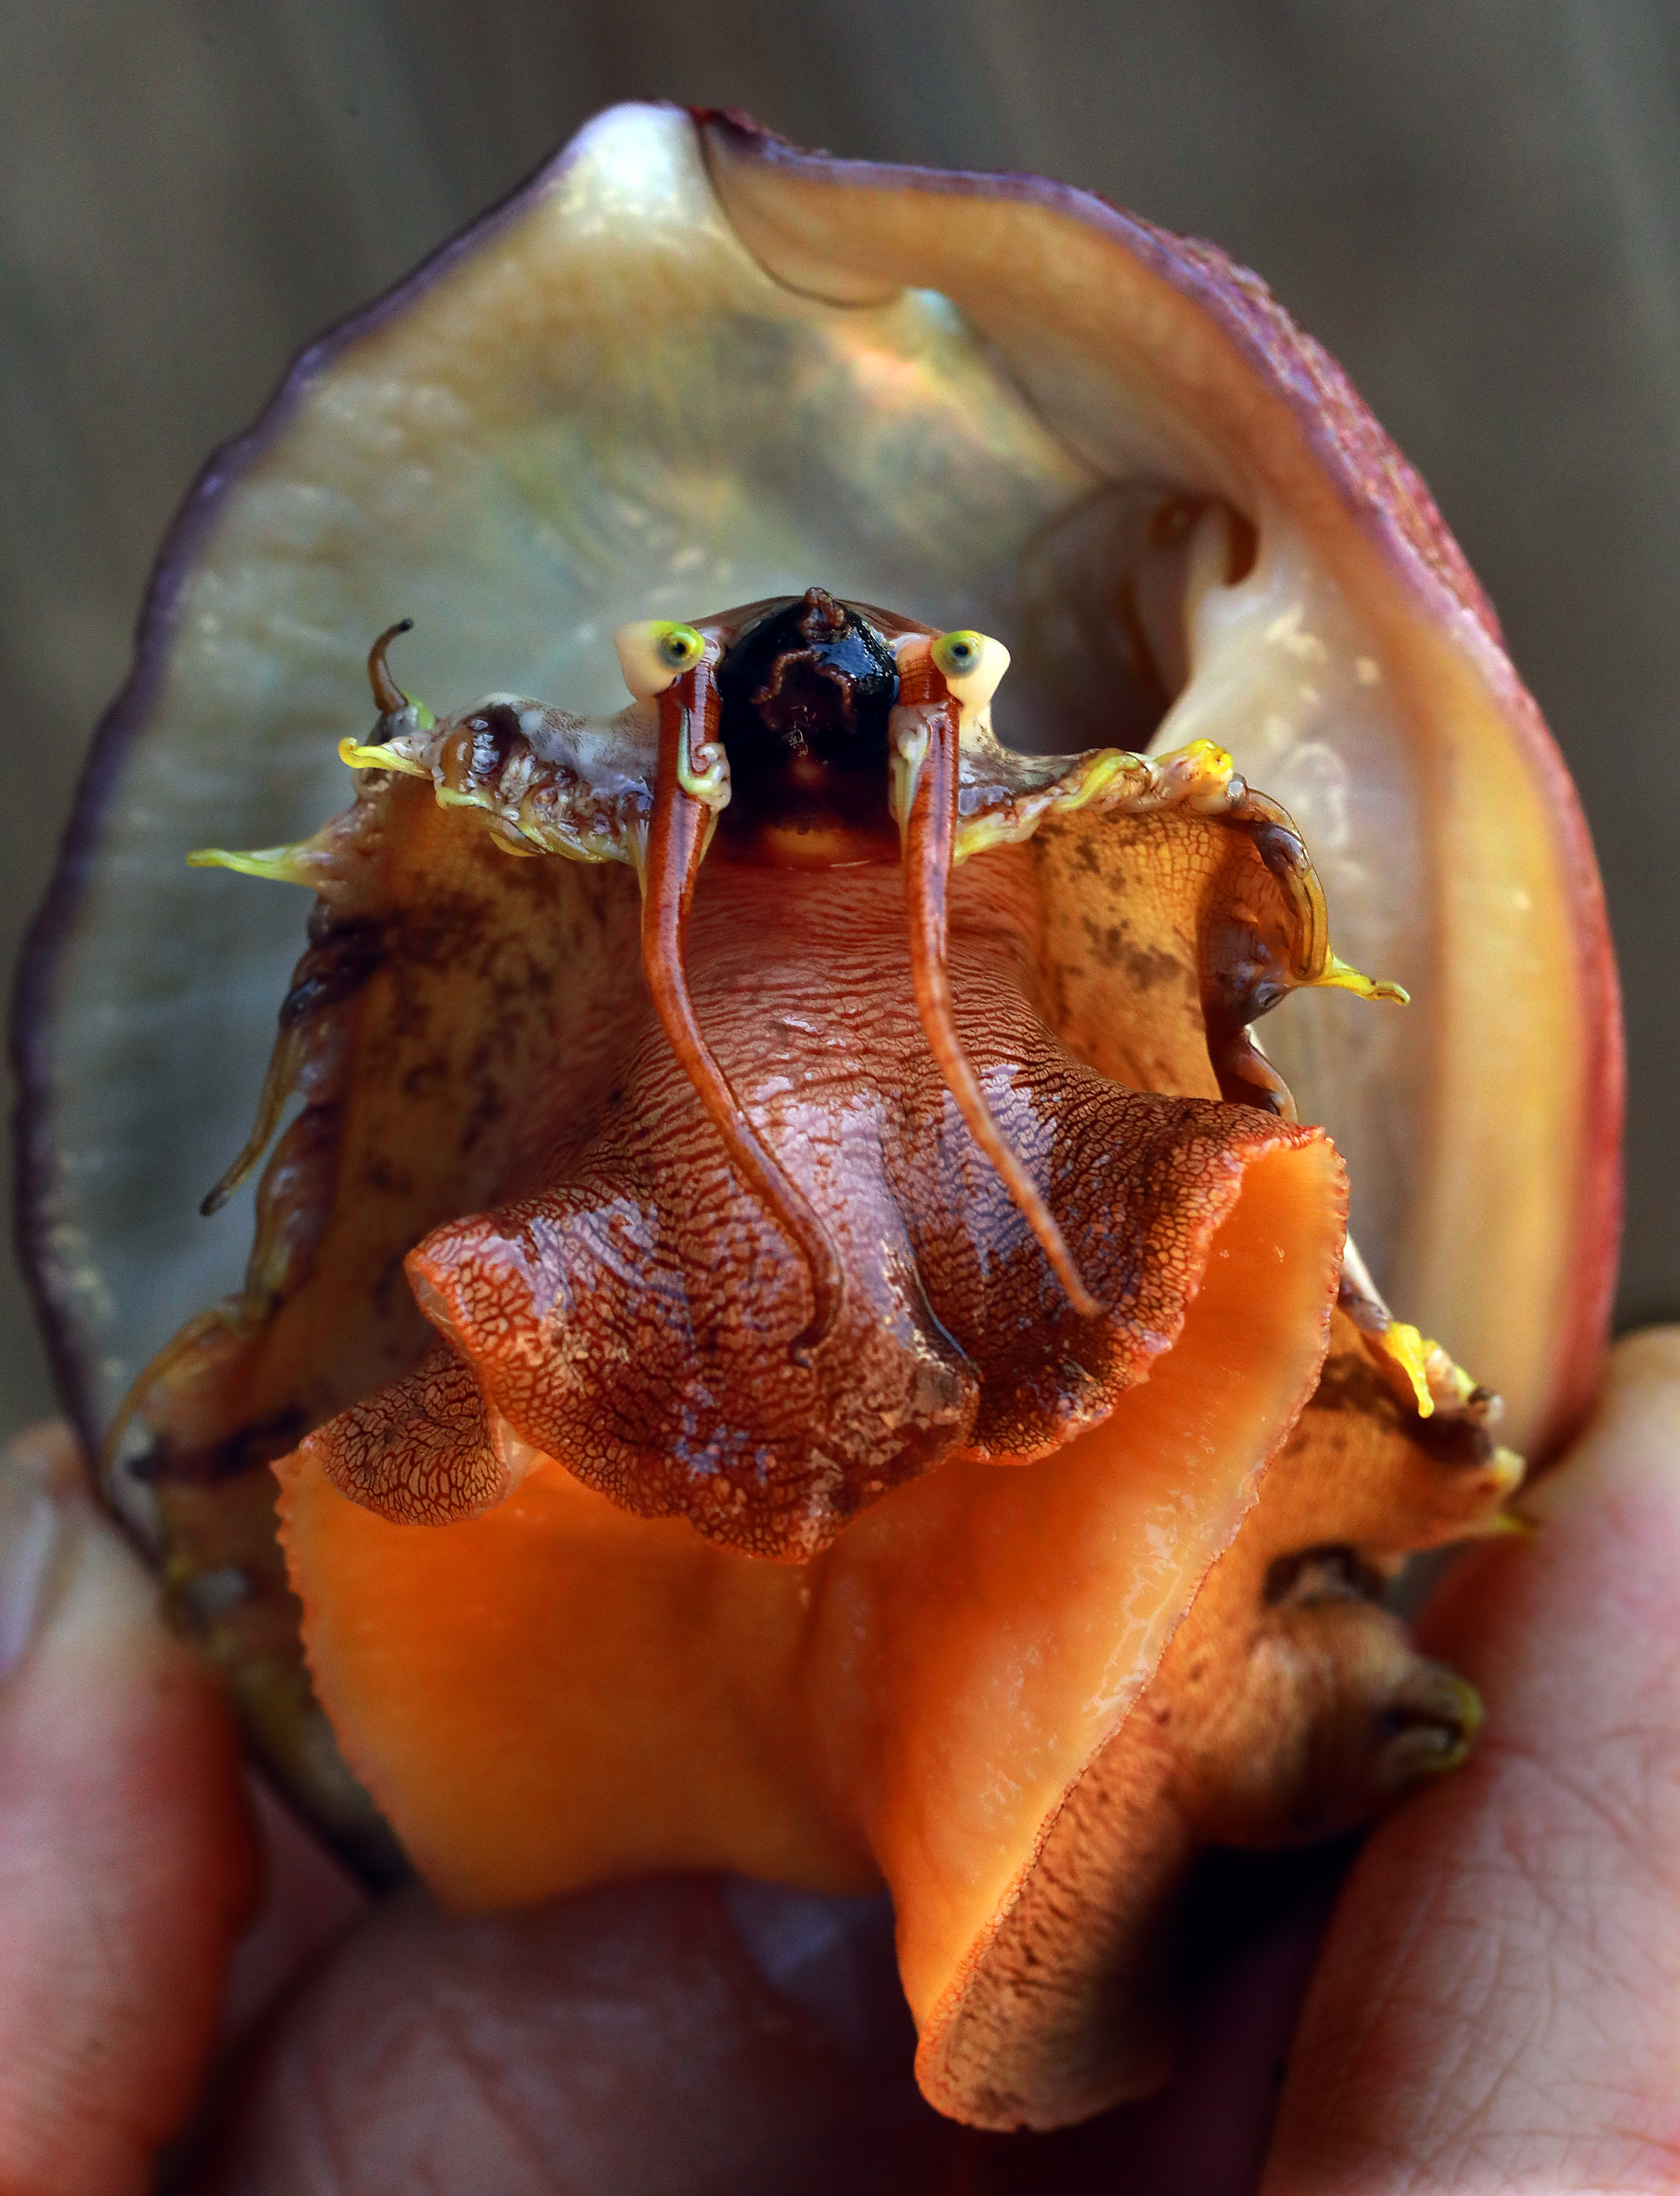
972, 664
957, 654
654, 653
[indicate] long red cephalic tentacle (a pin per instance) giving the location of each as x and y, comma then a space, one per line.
676, 836
925, 705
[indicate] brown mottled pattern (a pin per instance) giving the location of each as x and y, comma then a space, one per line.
632, 1317
462, 1018
1153, 924
420, 1450
435, 1069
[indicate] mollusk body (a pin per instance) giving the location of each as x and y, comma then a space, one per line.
793, 1316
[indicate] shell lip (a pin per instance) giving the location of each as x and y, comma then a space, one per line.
1375, 479
36, 1164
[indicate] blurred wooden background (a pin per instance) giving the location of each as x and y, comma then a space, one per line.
1476, 207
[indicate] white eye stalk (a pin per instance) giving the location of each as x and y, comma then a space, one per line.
654, 653
972, 665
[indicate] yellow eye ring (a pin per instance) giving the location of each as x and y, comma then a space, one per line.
958, 654
679, 647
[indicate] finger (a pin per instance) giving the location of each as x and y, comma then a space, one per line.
1499, 2004
1209, 2129
125, 1854
308, 1901
680, 2035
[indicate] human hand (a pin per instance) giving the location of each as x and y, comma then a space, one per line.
1496, 2003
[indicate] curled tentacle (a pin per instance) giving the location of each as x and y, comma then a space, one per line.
387, 694
278, 1085
678, 831
924, 735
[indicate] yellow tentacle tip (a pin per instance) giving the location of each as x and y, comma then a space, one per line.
1504, 1525
285, 865
1507, 1470
1209, 756
1404, 1349
1200, 762
1464, 1708
1340, 975
1201, 774
1453, 1388
355, 756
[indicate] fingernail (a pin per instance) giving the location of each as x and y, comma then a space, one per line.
35, 1537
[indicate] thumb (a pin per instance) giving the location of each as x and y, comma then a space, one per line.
1498, 2001
126, 1861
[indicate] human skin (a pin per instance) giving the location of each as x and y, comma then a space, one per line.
1494, 2005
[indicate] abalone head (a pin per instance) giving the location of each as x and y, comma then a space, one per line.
804, 692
